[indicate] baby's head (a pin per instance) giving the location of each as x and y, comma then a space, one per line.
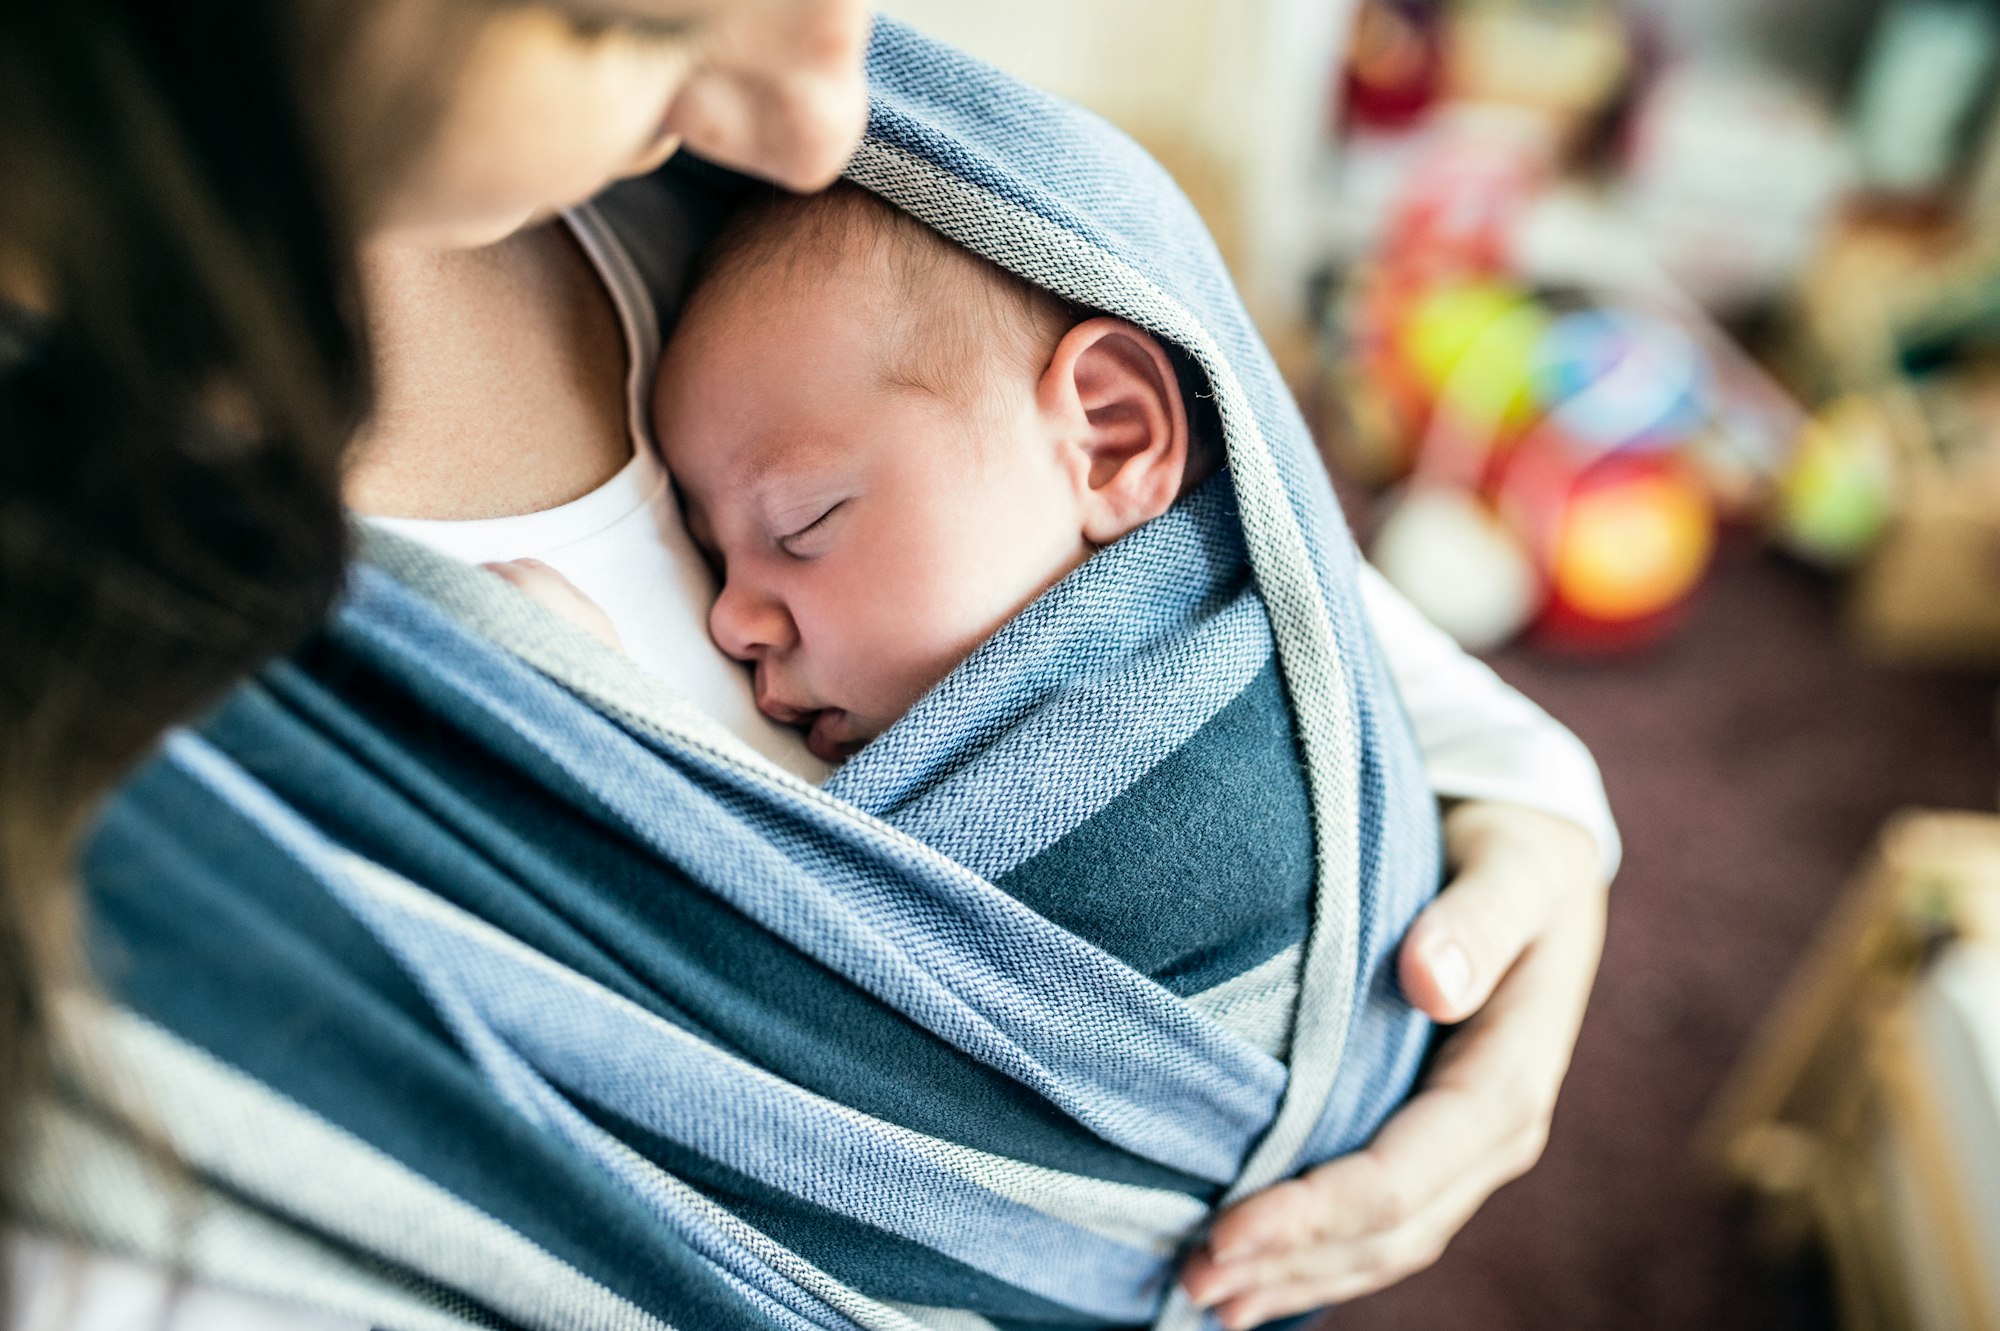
889, 446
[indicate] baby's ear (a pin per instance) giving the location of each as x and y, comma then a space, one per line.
1124, 428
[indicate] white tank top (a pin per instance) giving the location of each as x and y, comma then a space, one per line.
624, 544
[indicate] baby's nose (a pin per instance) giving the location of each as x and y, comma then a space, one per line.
748, 624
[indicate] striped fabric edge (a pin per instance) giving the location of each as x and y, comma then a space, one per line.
1316, 677
1257, 1004
96, 1184
1147, 1219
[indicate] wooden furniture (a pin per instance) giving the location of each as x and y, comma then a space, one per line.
1866, 1113
1883, 293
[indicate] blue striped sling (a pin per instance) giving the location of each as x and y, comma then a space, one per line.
470, 978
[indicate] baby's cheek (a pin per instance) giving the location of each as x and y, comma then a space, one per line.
904, 641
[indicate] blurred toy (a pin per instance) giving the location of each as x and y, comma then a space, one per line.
1459, 564
1405, 358
1621, 379
1394, 64
1622, 540
1630, 545
1838, 493
1551, 484
1465, 355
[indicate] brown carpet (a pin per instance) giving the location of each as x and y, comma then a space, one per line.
1750, 762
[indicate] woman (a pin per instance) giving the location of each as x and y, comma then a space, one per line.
176, 250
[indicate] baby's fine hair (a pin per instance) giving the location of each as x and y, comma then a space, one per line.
957, 317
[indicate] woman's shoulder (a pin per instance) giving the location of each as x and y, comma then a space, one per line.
55, 1286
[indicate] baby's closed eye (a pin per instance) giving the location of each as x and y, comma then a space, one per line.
813, 537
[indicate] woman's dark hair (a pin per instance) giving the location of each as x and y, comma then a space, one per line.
179, 371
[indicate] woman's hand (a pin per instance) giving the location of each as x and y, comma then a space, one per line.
1509, 949
558, 594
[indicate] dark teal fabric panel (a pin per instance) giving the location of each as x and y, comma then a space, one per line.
1204, 867
198, 943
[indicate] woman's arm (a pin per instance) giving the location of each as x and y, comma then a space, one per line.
1480, 739
1509, 949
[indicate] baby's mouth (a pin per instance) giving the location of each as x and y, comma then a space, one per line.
826, 737
829, 737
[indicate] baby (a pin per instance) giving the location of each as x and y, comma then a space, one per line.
888, 447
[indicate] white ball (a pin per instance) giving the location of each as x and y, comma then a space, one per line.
1459, 565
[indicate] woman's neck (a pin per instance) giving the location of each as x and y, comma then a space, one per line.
499, 380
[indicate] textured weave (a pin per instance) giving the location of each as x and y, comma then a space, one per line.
574, 1012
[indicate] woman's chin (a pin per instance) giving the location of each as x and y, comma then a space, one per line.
461, 233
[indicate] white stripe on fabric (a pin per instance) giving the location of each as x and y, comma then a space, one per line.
944, 1319
1315, 675
1258, 1004
250, 1139
1150, 1219
77, 1179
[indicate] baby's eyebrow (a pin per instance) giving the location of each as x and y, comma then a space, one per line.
783, 459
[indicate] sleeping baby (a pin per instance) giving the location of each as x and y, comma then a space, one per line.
888, 446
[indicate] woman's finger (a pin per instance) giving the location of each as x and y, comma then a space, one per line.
555, 593
1335, 1272
1445, 1135
1518, 870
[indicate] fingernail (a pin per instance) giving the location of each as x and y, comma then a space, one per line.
1450, 969
1241, 1319
1223, 1283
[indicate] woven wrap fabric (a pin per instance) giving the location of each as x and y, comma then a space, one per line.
471, 978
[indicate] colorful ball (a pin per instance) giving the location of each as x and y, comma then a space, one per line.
1632, 546
1472, 347
1458, 564
1621, 542
1616, 379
